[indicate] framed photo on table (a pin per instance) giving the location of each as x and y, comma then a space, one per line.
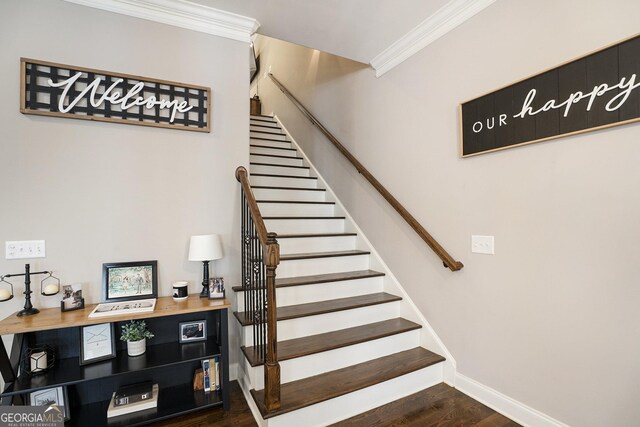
193, 331
51, 396
128, 281
97, 342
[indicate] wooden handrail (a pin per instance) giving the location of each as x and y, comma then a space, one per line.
271, 259
447, 259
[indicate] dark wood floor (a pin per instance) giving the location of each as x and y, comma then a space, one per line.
441, 406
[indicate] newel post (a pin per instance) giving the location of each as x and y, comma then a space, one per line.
271, 366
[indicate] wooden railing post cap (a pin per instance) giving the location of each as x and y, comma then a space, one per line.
240, 171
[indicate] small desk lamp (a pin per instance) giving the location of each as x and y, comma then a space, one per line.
205, 248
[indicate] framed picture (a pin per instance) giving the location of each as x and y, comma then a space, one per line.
51, 396
216, 288
193, 331
72, 297
97, 342
127, 281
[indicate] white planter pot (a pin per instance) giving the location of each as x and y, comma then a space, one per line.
136, 348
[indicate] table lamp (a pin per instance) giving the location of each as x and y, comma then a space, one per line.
205, 248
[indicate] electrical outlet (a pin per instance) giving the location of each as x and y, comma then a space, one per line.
482, 245
24, 249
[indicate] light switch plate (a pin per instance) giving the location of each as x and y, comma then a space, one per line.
22, 249
482, 245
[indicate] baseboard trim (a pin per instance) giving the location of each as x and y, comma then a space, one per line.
511, 408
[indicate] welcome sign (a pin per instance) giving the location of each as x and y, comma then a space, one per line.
596, 91
59, 90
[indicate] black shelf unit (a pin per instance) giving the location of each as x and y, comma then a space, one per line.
89, 387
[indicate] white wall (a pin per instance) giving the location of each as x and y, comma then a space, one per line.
99, 192
552, 319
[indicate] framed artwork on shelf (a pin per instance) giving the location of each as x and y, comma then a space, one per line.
97, 342
193, 331
72, 297
216, 288
51, 396
127, 281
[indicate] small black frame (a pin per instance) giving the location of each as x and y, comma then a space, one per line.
110, 346
192, 331
60, 394
129, 281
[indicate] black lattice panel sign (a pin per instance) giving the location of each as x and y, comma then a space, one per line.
59, 90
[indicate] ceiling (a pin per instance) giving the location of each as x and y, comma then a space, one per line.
355, 29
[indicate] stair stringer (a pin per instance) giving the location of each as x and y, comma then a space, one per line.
428, 337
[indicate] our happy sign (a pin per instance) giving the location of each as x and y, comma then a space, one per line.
596, 91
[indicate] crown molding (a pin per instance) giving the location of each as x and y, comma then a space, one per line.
182, 13
437, 25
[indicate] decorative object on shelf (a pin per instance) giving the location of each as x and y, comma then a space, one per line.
135, 333
216, 288
116, 410
49, 290
51, 396
38, 360
97, 343
180, 291
128, 281
108, 309
205, 248
198, 380
59, 90
72, 297
193, 331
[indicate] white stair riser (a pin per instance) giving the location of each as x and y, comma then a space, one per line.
276, 194
278, 170
268, 135
304, 226
262, 117
309, 267
261, 123
276, 181
315, 364
321, 323
296, 209
300, 245
280, 144
349, 405
292, 295
267, 127
272, 151
276, 160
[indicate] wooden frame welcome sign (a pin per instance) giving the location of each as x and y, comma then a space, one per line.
596, 91
51, 89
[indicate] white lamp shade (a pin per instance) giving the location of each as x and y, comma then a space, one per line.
205, 248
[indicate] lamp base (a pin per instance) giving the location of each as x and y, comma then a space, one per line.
205, 291
205, 280
27, 312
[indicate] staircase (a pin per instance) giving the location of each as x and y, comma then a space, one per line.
349, 340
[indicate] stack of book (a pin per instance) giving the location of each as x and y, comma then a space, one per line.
133, 398
212, 374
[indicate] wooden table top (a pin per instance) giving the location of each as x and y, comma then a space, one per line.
54, 318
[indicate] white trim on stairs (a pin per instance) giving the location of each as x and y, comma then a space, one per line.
184, 14
511, 408
435, 26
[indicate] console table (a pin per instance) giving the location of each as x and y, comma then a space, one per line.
89, 387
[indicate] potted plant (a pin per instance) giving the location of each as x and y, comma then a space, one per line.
135, 333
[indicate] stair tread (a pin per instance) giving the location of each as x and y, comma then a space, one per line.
319, 343
321, 278
272, 148
264, 131
270, 175
323, 307
260, 115
303, 217
269, 139
306, 202
302, 236
275, 155
263, 126
331, 254
288, 188
279, 166
319, 388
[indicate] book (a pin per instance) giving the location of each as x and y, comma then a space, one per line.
115, 411
133, 393
206, 369
123, 307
